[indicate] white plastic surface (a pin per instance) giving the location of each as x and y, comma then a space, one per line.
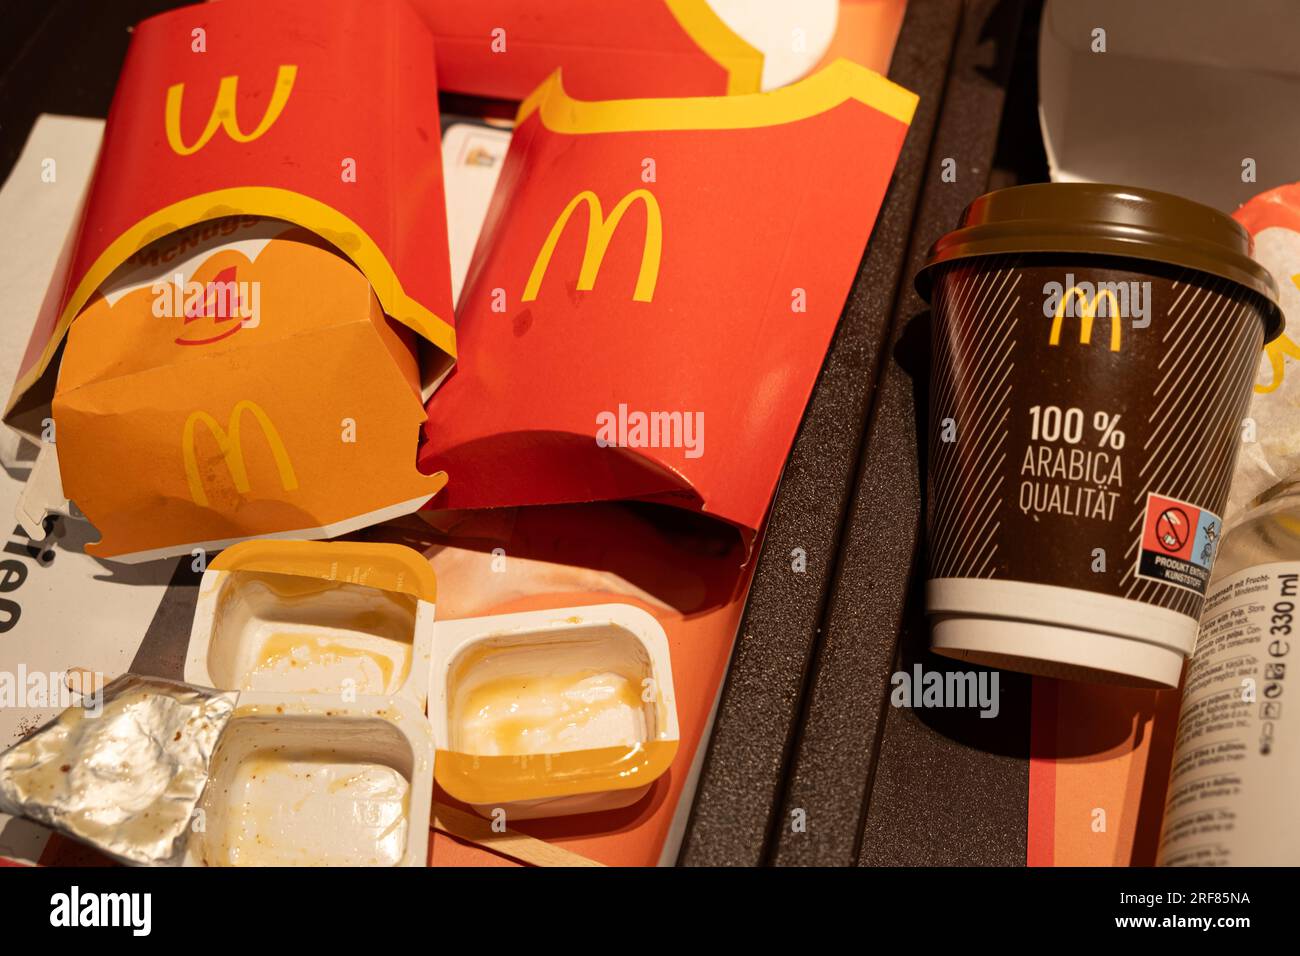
348, 639
298, 782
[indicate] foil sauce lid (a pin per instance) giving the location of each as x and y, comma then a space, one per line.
1102, 219
123, 771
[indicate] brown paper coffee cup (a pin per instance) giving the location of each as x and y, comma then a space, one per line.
1093, 351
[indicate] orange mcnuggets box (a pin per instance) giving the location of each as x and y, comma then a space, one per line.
236, 379
654, 290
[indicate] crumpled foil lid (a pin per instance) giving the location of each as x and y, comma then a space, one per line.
127, 779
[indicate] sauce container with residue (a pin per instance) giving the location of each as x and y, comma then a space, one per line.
312, 617
296, 783
551, 713
328, 760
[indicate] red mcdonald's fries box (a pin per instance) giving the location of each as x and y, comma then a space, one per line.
505, 48
654, 290
262, 252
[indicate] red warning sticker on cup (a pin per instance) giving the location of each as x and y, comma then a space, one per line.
1178, 543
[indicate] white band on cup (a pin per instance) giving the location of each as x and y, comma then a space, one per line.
1067, 631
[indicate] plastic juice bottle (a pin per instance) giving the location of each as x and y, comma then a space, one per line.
1236, 770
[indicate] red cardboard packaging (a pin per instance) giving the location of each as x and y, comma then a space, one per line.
319, 112
654, 290
504, 48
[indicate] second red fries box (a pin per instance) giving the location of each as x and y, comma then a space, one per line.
663, 276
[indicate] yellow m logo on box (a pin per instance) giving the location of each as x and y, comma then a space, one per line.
1087, 313
223, 113
232, 448
599, 233
1279, 350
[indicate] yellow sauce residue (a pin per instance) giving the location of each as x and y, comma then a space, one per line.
321, 664
310, 810
477, 779
530, 723
546, 713
320, 633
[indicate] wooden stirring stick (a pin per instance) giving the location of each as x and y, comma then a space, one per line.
475, 829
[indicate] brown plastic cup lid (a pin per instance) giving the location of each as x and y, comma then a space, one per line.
1097, 218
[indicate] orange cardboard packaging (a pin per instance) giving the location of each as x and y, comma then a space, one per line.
236, 379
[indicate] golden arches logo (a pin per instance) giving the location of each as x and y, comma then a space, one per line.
1087, 314
1278, 351
599, 233
223, 113
232, 449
